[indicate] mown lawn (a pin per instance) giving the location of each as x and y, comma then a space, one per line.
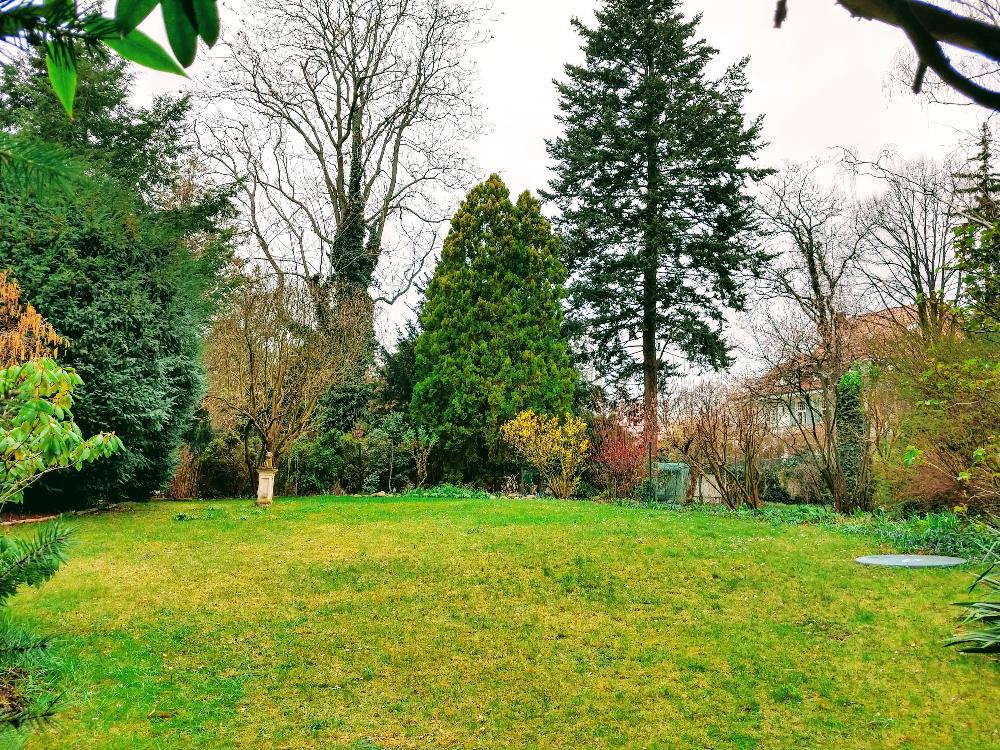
383, 623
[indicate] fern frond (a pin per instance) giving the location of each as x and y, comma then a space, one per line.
26, 163
33, 561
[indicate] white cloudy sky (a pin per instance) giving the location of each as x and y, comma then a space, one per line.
821, 82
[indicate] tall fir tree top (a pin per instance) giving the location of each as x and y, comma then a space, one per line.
651, 181
982, 181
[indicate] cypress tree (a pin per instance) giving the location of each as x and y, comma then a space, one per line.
651, 176
491, 343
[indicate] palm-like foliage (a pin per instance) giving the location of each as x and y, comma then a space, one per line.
982, 619
26, 163
25, 695
31, 562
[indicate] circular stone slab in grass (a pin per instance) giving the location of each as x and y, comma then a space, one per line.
911, 561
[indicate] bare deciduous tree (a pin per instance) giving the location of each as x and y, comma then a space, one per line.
270, 358
344, 124
806, 344
907, 234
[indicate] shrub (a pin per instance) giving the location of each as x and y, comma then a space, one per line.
555, 447
449, 492
388, 447
420, 442
222, 468
948, 452
312, 467
619, 457
354, 475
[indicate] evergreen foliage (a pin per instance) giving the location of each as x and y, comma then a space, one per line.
978, 246
126, 270
491, 345
28, 695
853, 449
651, 176
396, 390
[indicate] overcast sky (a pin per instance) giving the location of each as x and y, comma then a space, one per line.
821, 82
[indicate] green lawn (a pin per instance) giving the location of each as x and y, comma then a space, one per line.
382, 623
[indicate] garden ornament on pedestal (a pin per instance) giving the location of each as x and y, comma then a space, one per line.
265, 482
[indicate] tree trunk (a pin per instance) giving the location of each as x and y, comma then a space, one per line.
650, 358
650, 362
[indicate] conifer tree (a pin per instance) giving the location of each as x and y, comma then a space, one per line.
491, 344
978, 245
127, 267
651, 181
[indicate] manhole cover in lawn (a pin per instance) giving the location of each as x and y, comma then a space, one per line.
911, 561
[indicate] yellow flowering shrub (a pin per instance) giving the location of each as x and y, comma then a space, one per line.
555, 447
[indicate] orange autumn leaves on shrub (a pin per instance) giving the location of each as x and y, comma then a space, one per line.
555, 447
25, 336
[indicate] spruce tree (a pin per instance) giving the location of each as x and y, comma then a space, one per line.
652, 171
491, 343
978, 239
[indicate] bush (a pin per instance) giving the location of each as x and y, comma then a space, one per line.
620, 453
449, 492
389, 449
312, 467
948, 394
944, 533
555, 447
355, 472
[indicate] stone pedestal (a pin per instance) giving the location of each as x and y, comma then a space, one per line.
265, 486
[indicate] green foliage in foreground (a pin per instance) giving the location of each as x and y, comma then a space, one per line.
37, 432
405, 623
982, 619
27, 679
62, 28
126, 269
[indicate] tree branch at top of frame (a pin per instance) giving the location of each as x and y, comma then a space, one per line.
928, 26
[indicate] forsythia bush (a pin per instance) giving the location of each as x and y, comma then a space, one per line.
556, 447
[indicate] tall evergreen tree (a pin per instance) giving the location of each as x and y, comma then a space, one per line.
651, 181
396, 389
978, 246
125, 268
491, 344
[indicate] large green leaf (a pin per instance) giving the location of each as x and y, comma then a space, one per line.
142, 49
130, 13
180, 31
206, 13
62, 73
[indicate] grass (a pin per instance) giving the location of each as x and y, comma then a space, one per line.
358, 624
